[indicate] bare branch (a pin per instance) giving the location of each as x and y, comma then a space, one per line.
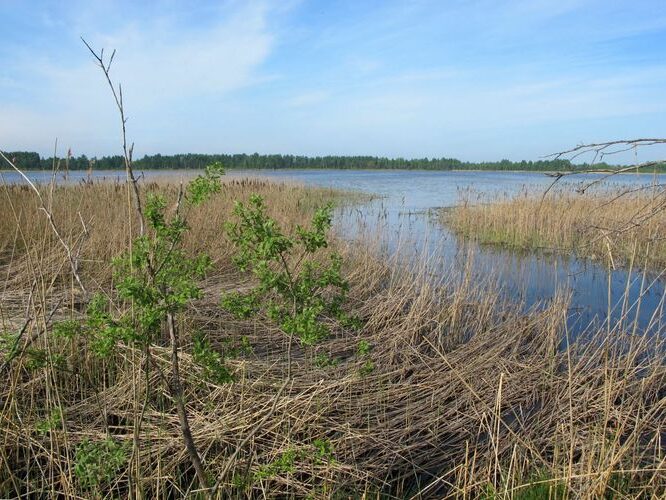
73, 260
108, 66
127, 150
612, 172
606, 148
176, 390
600, 150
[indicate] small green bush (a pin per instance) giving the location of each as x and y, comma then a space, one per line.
97, 463
50, 423
294, 289
211, 361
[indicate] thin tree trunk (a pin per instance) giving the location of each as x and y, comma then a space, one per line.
177, 394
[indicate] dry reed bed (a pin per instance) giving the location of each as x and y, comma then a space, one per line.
619, 226
465, 392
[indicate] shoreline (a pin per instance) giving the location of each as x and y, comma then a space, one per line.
138, 169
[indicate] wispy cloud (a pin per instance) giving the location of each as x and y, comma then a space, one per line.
160, 62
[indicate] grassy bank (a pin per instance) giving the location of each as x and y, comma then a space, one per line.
619, 227
436, 391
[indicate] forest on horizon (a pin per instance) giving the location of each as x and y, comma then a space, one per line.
33, 161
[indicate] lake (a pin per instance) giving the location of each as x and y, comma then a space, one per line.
402, 215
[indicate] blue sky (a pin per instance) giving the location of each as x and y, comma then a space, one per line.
476, 79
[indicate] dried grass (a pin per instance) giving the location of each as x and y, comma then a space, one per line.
468, 397
618, 226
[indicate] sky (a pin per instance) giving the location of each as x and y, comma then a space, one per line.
476, 80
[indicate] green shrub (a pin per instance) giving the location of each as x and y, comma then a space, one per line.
294, 289
97, 463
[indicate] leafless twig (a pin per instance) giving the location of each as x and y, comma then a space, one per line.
71, 256
127, 149
600, 150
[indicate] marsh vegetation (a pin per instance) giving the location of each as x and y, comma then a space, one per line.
620, 227
431, 390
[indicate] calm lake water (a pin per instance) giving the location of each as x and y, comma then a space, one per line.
402, 218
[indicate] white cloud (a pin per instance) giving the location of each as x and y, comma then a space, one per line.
160, 63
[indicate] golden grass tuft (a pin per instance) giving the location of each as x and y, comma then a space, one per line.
616, 226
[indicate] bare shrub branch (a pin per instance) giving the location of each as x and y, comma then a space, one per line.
603, 149
127, 149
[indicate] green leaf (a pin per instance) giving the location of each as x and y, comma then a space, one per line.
205, 186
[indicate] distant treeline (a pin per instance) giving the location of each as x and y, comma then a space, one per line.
30, 161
